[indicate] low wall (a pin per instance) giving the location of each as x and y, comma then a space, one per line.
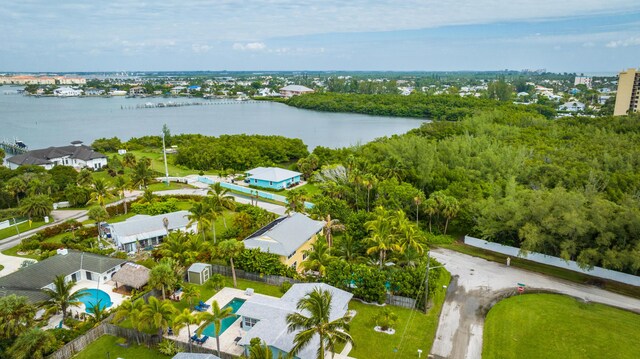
553, 261
251, 191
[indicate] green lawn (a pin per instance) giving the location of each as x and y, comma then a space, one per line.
13, 251
554, 326
628, 290
418, 334
106, 347
23, 227
161, 186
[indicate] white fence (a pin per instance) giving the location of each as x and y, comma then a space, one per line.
553, 261
8, 223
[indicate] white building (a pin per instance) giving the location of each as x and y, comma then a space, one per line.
141, 231
294, 90
66, 92
75, 155
582, 80
572, 106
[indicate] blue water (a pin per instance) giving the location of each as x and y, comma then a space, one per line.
94, 297
234, 304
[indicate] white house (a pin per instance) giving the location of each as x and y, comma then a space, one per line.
266, 318
66, 92
75, 155
73, 265
142, 231
572, 106
294, 90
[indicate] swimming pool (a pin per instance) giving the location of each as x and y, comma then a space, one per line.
94, 297
234, 304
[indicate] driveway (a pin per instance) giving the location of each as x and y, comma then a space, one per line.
477, 284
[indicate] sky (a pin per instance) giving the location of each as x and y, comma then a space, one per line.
590, 36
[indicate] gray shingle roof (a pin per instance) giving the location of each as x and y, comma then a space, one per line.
286, 236
140, 228
45, 155
274, 174
28, 281
272, 313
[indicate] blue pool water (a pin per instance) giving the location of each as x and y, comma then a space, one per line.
94, 297
234, 304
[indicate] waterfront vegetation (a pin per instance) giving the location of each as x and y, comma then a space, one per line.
555, 326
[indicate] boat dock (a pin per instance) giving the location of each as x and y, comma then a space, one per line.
182, 104
12, 147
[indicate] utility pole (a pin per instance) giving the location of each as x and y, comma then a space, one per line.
164, 153
426, 284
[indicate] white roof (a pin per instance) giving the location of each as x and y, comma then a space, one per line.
272, 315
143, 227
296, 88
274, 174
284, 235
198, 267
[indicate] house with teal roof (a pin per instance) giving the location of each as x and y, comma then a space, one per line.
272, 177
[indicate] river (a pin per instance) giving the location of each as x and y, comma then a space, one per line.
50, 121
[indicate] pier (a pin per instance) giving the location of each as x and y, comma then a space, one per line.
12, 148
182, 104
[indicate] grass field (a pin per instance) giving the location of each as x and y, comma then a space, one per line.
628, 290
554, 326
106, 347
11, 231
414, 329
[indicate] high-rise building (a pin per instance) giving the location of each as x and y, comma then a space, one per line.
628, 94
582, 80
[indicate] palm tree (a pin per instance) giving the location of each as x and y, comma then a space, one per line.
213, 210
100, 192
369, 182
37, 206
157, 314
223, 199
198, 213
348, 249
318, 257
148, 196
16, 186
185, 318
61, 297
450, 208
121, 184
130, 310
129, 160
431, 207
231, 248
330, 226
162, 277
295, 200
99, 312
408, 234
189, 293
318, 305
142, 173
260, 351
381, 238
181, 247
216, 317
16, 315
33, 344
84, 178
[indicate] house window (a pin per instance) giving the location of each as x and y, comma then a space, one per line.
248, 323
294, 265
304, 256
88, 274
291, 255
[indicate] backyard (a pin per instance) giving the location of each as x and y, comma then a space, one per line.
556, 326
106, 347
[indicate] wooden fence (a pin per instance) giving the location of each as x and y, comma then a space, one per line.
401, 301
269, 279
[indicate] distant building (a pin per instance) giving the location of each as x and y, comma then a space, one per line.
136, 91
67, 92
75, 155
582, 80
294, 90
288, 237
272, 177
572, 106
142, 231
94, 92
628, 92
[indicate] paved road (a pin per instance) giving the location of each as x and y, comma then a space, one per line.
477, 284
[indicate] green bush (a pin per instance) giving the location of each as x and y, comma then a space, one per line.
285, 287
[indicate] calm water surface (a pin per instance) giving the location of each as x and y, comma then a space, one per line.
50, 121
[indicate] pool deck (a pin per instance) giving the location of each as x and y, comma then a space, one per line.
227, 343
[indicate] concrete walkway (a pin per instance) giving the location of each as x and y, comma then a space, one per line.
477, 284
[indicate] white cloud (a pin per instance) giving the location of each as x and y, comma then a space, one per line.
632, 41
251, 46
198, 48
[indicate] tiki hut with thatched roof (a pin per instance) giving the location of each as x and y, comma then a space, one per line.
132, 275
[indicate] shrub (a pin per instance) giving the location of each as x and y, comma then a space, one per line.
386, 319
285, 286
167, 347
216, 281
